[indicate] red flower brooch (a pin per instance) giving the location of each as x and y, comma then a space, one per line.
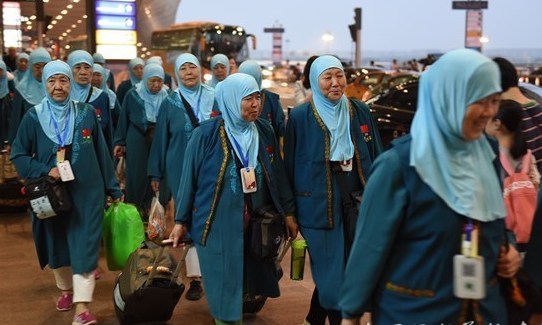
86, 135
364, 128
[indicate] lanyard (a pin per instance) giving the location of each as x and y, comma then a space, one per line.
61, 140
469, 246
244, 158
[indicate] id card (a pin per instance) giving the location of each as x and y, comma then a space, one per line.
248, 180
469, 277
346, 165
65, 171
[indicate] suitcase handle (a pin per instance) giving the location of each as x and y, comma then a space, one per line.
186, 244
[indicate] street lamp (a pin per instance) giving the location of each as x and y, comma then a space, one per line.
327, 38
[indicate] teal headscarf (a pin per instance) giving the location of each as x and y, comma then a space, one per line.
100, 59
229, 94
19, 74
80, 92
459, 171
253, 69
57, 119
200, 97
4, 91
110, 93
334, 114
131, 64
30, 88
152, 101
155, 59
218, 59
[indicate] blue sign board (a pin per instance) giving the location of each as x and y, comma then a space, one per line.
115, 8
115, 22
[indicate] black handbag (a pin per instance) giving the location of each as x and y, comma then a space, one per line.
267, 232
47, 197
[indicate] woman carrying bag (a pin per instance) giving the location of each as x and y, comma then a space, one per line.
61, 133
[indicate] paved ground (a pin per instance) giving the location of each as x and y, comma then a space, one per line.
28, 294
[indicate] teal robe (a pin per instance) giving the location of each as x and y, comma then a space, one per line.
123, 89
136, 133
211, 203
19, 108
272, 111
5, 110
173, 130
402, 257
72, 239
317, 195
103, 113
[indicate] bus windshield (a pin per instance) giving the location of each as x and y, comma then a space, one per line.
201, 39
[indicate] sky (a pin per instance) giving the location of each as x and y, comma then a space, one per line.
387, 25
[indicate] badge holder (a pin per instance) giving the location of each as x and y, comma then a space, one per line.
469, 268
64, 167
248, 179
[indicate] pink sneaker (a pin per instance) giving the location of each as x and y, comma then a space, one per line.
85, 318
65, 301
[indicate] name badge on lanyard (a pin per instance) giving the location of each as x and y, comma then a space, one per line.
248, 176
469, 271
63, 165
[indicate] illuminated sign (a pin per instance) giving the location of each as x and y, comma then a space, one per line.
120, 37
115, 8
117, 52
115, 22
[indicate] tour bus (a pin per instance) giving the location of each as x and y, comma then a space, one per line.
203, 39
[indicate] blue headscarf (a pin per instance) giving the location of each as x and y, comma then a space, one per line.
57, 119
19, 74
252, 68
459, 171
334, 114
132, 64
4, 91
80, 92
30, 88
229, 94
152, 101
99, 58
200, 97
218, 59
155, 59
110, 93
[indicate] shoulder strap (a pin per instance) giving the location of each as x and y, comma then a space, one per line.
89, 94
526, 162
505, 163
189, 111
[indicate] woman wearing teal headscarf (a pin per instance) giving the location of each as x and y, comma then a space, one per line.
173, 130
134, 134
327, 141
99, 81
220, 69
81, 63
271, 108
99, 59
29, 90
22, 66
67, 243
212, 205
135, 71
5, 102
431, 194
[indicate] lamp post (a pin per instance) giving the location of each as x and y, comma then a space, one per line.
327, 38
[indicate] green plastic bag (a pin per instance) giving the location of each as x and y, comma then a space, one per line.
123, 232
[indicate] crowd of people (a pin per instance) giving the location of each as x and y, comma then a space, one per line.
415, 233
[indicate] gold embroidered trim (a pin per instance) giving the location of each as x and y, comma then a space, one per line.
356, 150
328, 165
219, 181
410, 292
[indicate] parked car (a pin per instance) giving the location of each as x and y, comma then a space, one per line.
393, 110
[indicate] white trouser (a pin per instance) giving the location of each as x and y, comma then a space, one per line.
192, 263
82, 284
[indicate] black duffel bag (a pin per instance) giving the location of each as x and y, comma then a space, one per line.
267, 232
47, 197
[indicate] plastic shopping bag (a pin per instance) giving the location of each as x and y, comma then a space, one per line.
123, 232
156, 227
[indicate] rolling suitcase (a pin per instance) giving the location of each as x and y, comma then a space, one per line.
147, 291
